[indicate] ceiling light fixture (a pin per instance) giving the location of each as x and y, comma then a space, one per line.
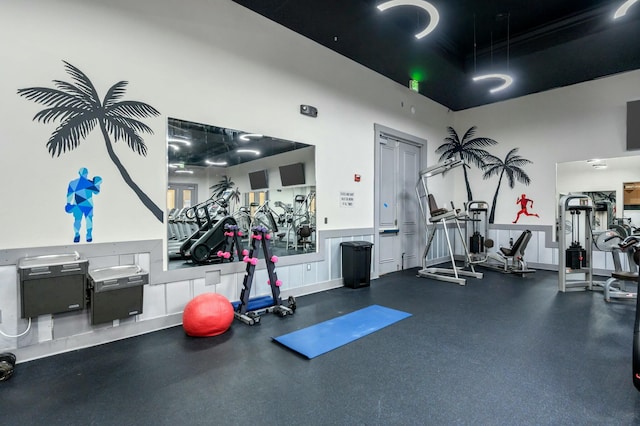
248, 151
506, 78
622, 10
508, 81
247, 136
181, 141
216, 163
174, 147
188, 172
428, 7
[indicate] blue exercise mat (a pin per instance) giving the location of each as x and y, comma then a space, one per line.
329, 335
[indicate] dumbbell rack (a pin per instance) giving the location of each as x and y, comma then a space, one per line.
249, 311
232, 235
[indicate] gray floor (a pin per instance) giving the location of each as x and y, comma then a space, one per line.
504, 350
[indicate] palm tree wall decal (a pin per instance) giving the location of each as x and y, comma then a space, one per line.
511, 167
468, 149
78, 108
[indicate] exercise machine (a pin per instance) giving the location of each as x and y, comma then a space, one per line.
575, 267
434, 216
508, 260
211, 217
615, 286
636, 326
477, 230
511, 259
249, 310
301, 224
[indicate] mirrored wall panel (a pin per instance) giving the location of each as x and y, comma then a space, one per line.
224, 182
610, 183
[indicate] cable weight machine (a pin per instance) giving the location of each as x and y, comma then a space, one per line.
575, 246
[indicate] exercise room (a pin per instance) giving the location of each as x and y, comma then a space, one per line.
320, 212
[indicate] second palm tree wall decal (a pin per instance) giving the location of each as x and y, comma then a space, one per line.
469, 149
511, 167
79, 109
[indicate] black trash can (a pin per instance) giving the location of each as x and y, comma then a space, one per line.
356, 263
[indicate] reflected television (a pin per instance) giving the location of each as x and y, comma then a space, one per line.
292, 174
258, 180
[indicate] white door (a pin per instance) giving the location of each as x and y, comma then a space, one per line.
398, 214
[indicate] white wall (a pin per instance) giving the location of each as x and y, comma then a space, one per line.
578, 122
209, 62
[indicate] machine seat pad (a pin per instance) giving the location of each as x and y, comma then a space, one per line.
625, 276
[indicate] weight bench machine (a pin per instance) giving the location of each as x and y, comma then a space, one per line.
511, 259
442, 216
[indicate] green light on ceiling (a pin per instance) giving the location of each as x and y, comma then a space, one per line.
418, 75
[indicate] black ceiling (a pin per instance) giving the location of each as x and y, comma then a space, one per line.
551, 43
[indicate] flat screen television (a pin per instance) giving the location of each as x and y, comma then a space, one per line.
292, 174
258, 180
633, 125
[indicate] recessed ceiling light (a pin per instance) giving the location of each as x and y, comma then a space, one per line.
248, 151
247, 136
216, 163
507, 81
180, 141
622, 10
188, 172
431, 10
600, 166
594, 160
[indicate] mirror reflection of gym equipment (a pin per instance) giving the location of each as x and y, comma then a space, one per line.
270, 174
434, 216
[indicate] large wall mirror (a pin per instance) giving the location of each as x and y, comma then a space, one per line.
226, 178
612, 183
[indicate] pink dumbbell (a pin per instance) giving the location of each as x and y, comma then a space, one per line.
254, 261
227, 255
246, 259
268, 236
245, 252
220, 253
274, 258
278, 283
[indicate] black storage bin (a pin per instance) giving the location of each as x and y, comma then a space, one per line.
52, 284
116, 292
356, 263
